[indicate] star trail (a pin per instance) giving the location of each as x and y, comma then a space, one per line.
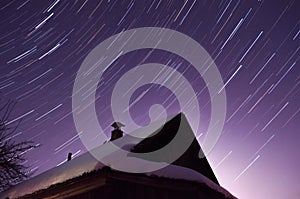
254, 44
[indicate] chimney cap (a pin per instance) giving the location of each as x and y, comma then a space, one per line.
117, 125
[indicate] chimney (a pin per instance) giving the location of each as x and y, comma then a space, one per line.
69, 156
117, 132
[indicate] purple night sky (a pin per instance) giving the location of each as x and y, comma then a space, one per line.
254, 43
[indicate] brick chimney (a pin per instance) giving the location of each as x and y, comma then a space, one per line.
117, 132
69, 156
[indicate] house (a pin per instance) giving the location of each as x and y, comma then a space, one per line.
85, 177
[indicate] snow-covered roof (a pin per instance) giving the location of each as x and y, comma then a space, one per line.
115, 160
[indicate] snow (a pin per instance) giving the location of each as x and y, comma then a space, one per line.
116, 159
178, 172
68, 170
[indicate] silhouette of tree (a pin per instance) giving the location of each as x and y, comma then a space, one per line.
12, 169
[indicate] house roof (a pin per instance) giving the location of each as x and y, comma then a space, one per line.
187, 167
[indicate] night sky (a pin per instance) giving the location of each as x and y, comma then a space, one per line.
254, 44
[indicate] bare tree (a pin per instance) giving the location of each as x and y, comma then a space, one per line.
12, 169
